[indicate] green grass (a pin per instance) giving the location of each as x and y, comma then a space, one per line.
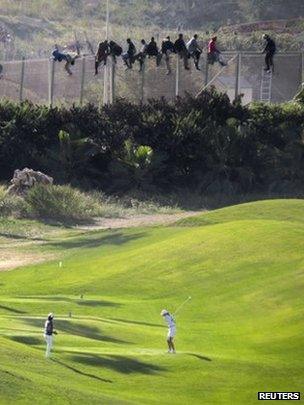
241, 333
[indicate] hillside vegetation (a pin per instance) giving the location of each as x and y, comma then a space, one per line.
37, 25
240, 334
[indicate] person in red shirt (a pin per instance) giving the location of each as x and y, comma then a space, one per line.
214, 53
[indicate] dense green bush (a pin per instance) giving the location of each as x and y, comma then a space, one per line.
205, 145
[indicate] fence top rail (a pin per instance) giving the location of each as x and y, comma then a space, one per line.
235, 52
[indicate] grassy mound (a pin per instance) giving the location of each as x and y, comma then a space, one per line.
241, 333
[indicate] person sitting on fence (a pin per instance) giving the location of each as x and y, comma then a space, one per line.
141, 55
128, 57
152, 51
214, 55
68, 57
269, 50
115, 50
194, 50
166, 50
181, 50
101, 55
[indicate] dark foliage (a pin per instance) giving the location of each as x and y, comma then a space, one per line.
206, 145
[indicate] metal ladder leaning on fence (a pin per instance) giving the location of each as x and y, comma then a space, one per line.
266, 86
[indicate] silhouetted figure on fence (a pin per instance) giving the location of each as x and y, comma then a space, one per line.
141, 55
102, 54
68, 57
115, 50
181, 50
194, 50
214, 55
270, 50
129, 56
167, 49
152, 51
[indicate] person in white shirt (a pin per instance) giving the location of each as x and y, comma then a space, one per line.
194, 50
48, 334
171, 329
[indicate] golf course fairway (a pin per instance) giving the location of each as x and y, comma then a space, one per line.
241, 333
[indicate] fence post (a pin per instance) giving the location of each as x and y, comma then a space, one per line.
82, 80
238, 76
142, 88
112, 81
22, 79
302, 68
177, 76
51, 81
207, 71
106, 84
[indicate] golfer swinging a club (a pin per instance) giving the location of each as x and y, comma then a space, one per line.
48, 334
171, 329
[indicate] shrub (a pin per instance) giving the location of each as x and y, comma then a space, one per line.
10, 204
61, 203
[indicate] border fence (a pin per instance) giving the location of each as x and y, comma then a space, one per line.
44, 81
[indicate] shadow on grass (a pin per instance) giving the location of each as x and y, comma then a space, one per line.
156, 325
20, 237
115, 238
15, 311
81, 372
198, 356
76, 329
121, 364
27, 340
78, 301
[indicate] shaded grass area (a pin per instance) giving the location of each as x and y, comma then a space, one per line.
240, 334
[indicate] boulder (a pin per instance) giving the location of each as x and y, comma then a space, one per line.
25, 179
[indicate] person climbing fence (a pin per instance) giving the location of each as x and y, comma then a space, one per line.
129, 56
194, 50
68, 57
181, 49
102, 54
166, 51
141, 55
214, 54
153, 51
269, 50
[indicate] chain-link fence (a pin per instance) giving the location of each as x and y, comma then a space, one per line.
43, 81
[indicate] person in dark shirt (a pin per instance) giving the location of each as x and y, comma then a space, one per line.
115, 50
48, 334
153, 51
68, 57
181, 50
128, 57
269, 50
166, 50
101, 55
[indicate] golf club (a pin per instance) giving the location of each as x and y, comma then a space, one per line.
181, 305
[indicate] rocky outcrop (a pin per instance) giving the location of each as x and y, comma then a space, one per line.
25, 179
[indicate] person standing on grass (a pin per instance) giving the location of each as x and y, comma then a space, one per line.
171, 330
48, 334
